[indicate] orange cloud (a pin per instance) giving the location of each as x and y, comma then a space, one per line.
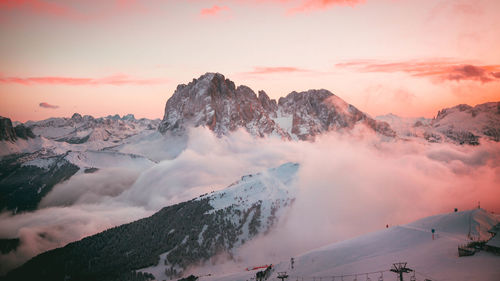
213, 10
47, 105
278, 69
115, 80
441, 69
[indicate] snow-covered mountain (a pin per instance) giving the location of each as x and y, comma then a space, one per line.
374, 253
461, 124
215, 102
467, 124
36, 156
176, 237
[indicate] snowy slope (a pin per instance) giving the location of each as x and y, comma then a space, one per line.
376, 252
253, 205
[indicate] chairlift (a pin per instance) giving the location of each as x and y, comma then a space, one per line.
413, 278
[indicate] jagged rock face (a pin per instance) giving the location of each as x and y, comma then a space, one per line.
216, 103
7, 132
24, 132
10, 133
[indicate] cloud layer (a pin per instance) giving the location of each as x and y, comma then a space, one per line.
348, 185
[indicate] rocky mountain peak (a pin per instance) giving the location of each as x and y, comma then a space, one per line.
6, 130
316, 111
215, 102
11, 133
129, 117
77, 117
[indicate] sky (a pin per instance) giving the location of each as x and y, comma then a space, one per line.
101, 57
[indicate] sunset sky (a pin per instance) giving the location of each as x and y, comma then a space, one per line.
102, 57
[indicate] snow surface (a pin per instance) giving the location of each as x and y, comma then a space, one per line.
375, 252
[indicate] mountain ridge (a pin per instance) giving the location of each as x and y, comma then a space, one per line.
216, 103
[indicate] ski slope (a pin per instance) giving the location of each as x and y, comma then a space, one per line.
376, 252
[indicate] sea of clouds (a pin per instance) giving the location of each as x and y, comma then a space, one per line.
349, 184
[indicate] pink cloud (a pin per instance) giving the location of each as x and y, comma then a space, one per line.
277, 69
47, 105
39, 7
309, 5
442, 69
214, 10
292, 6
67, 10
115, 80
